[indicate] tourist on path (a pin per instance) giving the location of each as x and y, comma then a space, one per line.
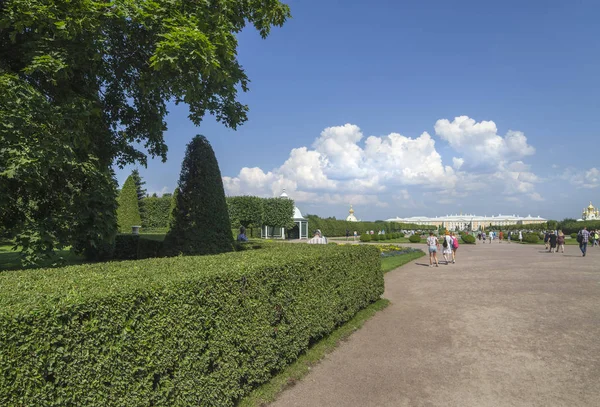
560, 240
547, 240
483, 237
454, 247
447, 244
583, 239
520, 236
500, 237
432, 244
491, 237
552, 239
509, 236
318, 238
241, 237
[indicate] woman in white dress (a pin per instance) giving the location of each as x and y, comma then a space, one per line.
447, 245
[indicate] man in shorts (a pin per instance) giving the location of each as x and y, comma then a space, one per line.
432, 244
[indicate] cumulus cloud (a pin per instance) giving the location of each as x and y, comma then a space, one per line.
480, 142
589, 178
343, 166
338, 168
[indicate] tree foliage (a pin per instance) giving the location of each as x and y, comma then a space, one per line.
247, 211
128, 211
83, 83
278, 212
201, 223
156, 212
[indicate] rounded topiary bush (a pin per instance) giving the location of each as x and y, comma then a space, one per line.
573, 235
531, 238
201, 222
389, 236
468, 239
415, 239
365, 237
401, 234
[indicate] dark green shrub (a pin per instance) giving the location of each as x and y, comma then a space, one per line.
467, 239
365, 237
128, 211
156, 212
416, 238
201, 224
531, 238
195, 330
401, 234
148, 248
388, 236
573, 235
126, 247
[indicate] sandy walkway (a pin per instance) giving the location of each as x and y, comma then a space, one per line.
508, 325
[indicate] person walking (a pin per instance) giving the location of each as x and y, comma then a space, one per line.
552, 239
520, 236
509, 237
596, 238
454, 247
500, 236
447, 247
432, 244
491, 236
583, 238
560, 241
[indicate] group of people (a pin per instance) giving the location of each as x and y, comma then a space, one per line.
584, 237
449, 244
554, 241
482, 236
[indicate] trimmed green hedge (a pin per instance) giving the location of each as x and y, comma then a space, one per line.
531, 238
179, 331
415, 238
467, 239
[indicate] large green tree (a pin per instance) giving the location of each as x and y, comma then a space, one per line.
83, 83
201, 222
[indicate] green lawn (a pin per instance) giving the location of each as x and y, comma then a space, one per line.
11, 260
393, 262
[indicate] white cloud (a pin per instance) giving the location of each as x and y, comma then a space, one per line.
342, 166
457, 162
480, 142
536, 197
339, 169
583, 178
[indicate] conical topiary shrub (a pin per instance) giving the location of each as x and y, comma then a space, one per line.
200, 222
128, 212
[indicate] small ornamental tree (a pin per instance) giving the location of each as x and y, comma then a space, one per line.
201, 222
128, 212
278, 212
140, 191
246, 211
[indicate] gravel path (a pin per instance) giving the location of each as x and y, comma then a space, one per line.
508, 325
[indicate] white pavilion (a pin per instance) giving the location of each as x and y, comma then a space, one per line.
299, 231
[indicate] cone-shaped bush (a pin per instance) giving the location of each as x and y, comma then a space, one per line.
201, 222
172, 208
128, 212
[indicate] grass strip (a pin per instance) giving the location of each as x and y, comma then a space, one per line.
297, 370
393, 262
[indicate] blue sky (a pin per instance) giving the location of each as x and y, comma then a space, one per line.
413, 108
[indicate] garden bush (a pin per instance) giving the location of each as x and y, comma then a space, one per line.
531, 238
467, 239
573, 235
156, 212
201, 222
388, 236
415, 238
365, 237
179, 331
132, 247
128, 211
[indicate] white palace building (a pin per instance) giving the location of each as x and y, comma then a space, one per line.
470, 222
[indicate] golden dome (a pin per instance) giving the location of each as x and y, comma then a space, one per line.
351, 210
591, 206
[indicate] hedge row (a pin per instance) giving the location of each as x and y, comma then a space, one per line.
367, 237
156, 212
177, 331
332, 227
